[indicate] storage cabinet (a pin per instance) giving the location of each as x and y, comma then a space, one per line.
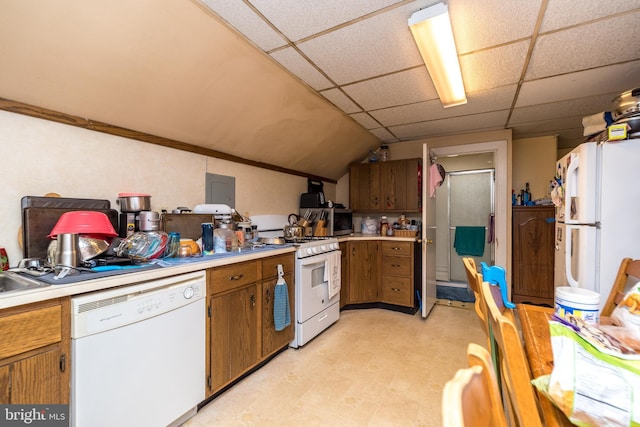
240, 331
344, 274
364, 277
533, 254
34, 353
397, 273
390, 186
273, 340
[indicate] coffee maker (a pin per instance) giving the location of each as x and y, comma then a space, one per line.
128, 224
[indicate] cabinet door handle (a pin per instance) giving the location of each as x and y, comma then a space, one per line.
395, 248
236, 277
63, 362
395, 289
268, 295
395, 265
253, 300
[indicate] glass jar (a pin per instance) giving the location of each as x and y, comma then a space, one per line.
384, 225
223, 238
383, 153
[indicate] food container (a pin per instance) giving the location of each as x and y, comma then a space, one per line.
134, 202
578, 302
369, 226
148, 221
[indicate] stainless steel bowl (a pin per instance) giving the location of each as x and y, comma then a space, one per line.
134, 203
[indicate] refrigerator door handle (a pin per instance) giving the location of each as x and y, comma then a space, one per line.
567, 256
569, 178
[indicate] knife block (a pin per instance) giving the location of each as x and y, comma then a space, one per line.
321, 228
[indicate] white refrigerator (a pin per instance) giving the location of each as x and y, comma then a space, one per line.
598, 223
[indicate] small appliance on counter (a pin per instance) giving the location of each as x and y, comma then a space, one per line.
314, 197
131, 204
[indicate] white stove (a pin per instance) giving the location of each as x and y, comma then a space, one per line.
317, 285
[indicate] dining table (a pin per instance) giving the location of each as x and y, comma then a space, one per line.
534, 323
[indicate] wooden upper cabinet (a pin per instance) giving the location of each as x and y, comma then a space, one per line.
385, 186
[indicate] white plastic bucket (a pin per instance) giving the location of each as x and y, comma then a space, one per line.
579, 302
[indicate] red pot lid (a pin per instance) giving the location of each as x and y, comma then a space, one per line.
133, 195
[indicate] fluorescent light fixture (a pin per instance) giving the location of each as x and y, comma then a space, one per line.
431, 28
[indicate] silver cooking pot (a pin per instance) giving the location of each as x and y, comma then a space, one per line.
293, 231
134, 202
627, 103
149, 221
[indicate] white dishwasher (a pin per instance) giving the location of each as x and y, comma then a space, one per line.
138, 353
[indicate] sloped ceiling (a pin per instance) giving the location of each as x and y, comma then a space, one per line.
312, 86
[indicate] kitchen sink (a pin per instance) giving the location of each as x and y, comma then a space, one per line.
11, 282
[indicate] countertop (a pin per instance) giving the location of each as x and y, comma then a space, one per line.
170, 267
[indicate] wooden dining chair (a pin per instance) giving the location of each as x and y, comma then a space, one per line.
475, 281
472, 397
521, 402
628, 268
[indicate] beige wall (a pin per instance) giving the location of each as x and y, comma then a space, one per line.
41, 156
534, 161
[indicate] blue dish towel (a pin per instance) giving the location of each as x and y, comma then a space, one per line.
469, 241
281, 311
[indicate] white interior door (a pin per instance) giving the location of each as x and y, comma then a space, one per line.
428, 238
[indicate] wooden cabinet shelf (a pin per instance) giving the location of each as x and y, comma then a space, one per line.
533, 254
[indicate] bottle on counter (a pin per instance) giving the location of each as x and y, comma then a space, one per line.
403, 222
384, 225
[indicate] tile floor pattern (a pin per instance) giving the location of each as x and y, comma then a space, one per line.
372, 368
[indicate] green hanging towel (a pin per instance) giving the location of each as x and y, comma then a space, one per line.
469, 241
281, 310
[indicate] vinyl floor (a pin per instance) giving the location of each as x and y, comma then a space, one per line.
373, 367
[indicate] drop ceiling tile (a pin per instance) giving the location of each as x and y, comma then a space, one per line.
377, 45
384, 135
301, 18
298, 65
548, 126
574, 107
479, 122
480, 102
586, 46
242, 18
340, 100
475, 23
614, 78
493, 67
365, 120
564, 13
405, 87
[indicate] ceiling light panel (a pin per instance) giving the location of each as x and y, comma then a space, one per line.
586, 46
298, 19
475, 22
241, 17
405, 87
298, 65
556, 15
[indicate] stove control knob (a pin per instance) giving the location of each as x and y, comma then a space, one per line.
314, 249
323, 248
335, 246
310, 251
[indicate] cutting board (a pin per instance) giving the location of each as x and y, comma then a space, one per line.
37, 223
189, 225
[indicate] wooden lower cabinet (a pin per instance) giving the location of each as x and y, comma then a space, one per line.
34, 353
364, 276
533, 254
273, 340
240, 330
344, 274
397, 281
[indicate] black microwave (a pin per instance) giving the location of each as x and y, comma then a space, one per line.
339, 221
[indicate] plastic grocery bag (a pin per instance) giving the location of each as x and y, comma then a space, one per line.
591, 387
